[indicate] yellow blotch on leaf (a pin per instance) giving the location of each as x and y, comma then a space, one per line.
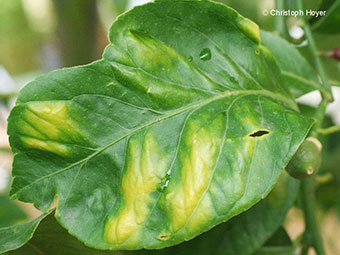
159, 55
48, 126
249, 28
54, 147
189, 205
145, 167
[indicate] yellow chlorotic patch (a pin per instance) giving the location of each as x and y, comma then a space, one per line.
27, 128
48, 126
144, 170
202, 213
187, 200
159, 55
54, 147
250, 122
249, 28
248, 148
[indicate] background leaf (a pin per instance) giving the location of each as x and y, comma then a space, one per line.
278, 244
10, 213
16, 236
119, 6
51, 238
276, 251
330, 22
279, 238
298, 76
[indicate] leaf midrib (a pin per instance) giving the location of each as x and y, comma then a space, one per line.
216, 161
198, 104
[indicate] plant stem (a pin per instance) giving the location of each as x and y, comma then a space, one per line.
312, 232
304, 250
319, 115
329, 130
314, 50
280, 21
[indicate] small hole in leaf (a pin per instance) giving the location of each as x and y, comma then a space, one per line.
259, 133
163, 237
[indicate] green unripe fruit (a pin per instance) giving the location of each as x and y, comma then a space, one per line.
307, 159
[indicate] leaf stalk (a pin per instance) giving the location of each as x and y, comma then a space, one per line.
280, 20
312, 235
314, 51
329, 130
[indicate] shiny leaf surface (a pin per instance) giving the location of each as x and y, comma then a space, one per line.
248, 231
242, 235
182, 125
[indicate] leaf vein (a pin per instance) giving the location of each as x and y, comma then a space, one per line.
154, 121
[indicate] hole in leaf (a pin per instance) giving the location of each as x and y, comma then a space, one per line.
163, 237
259, 133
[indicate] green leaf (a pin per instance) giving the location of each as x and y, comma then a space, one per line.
248, 230
10, 213
181, 126
279, 238
16, 236
307, 4
278, 244
298, 75
51, 238
330, 22
182, 0
119, 5
276, 250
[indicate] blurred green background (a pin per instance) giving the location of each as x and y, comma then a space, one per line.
37, 36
